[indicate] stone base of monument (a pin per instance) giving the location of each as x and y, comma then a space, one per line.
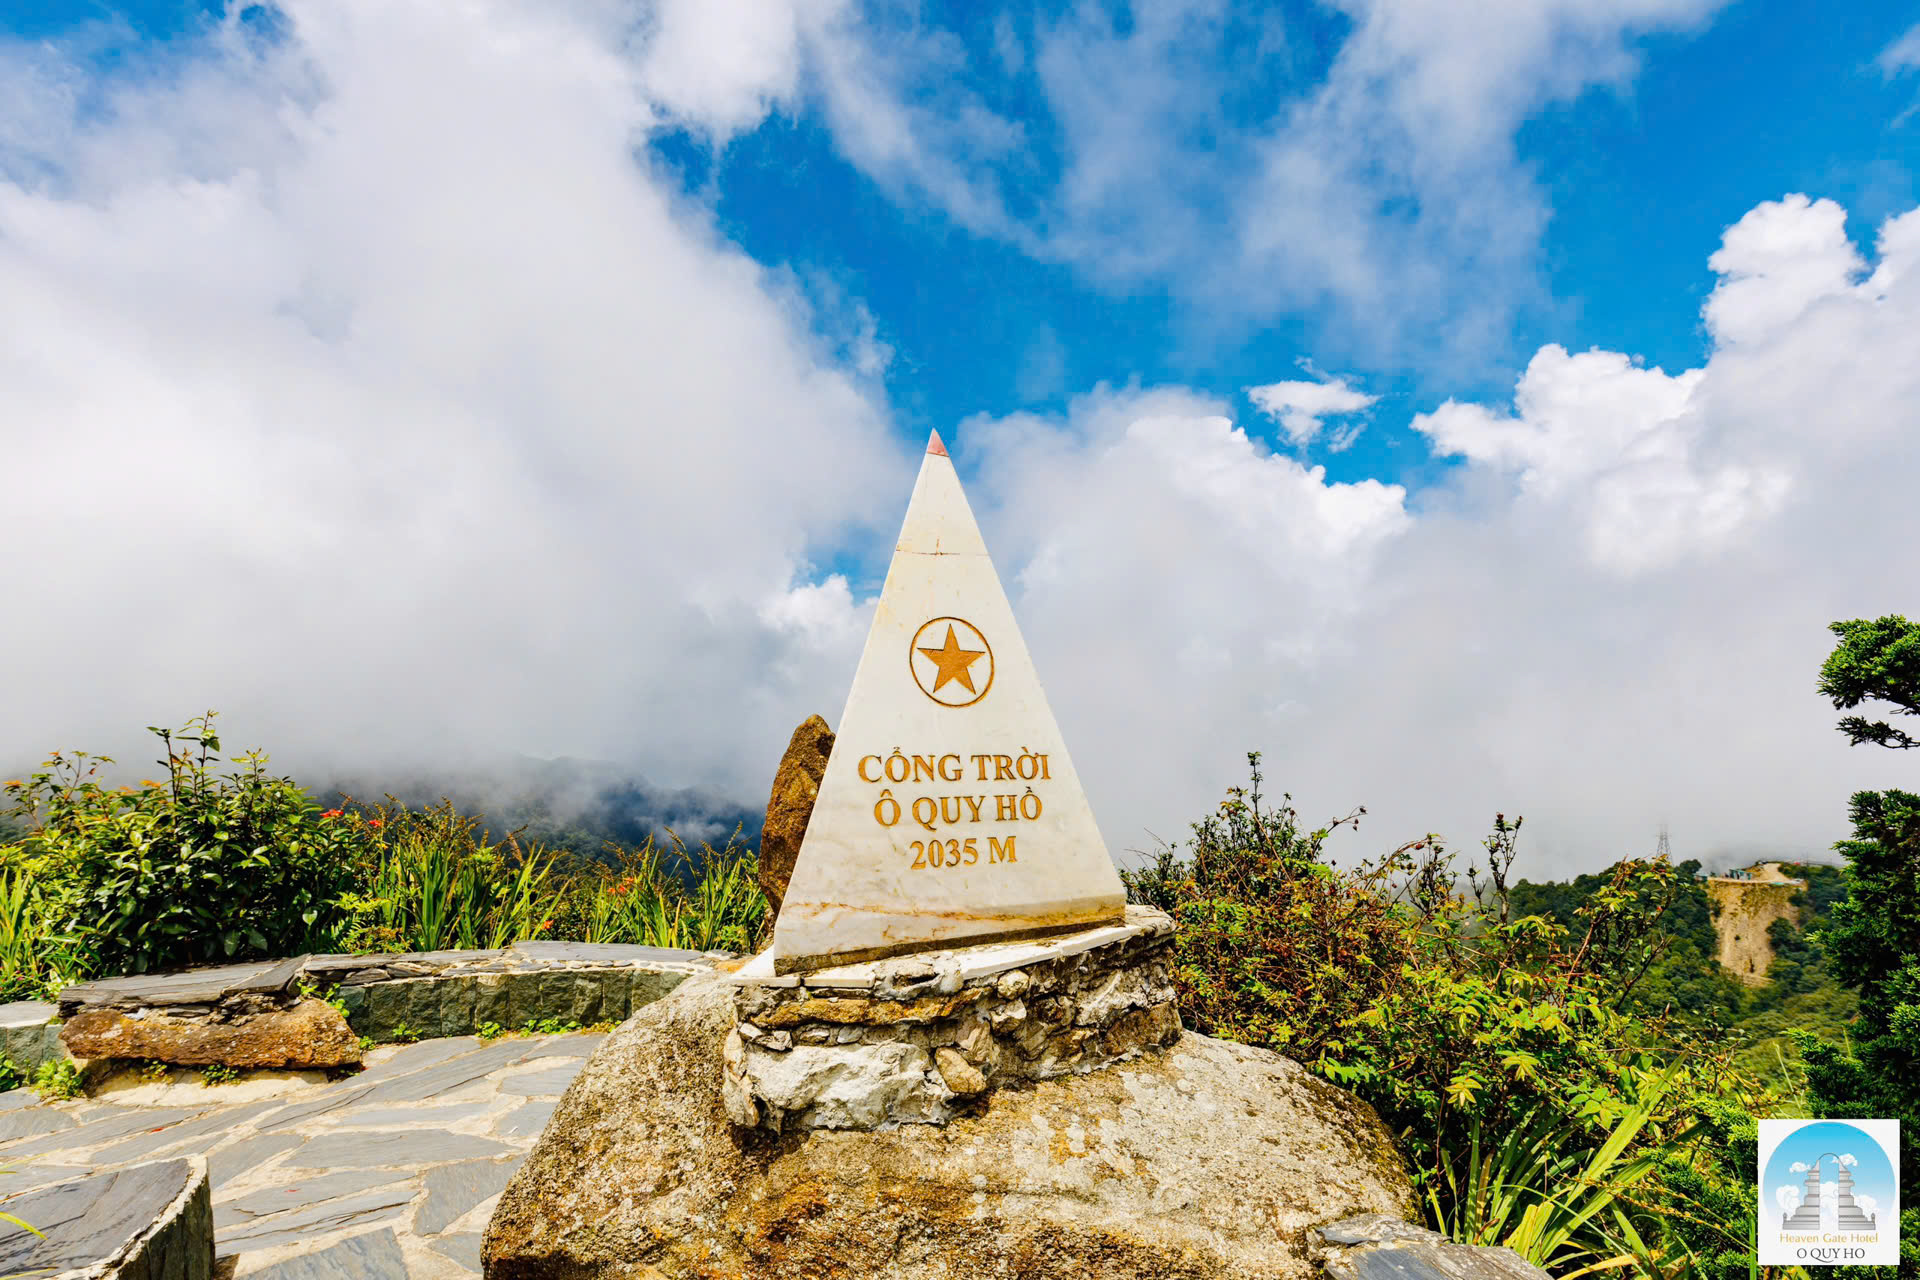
920, 1038
1202, 1160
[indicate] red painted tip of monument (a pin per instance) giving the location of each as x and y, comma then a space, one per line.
935, 447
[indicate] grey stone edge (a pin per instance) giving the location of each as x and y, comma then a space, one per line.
454, 994
178, 1246
1376, 1246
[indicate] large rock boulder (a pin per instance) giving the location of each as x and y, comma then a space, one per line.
796, 785
1203, 1161
306, 1034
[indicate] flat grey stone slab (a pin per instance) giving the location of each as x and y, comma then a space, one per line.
194, 986
396, 1148
402, 1117
526, 1121
463, 1247
332, 1100
26, 1175
302, 1192
414, 1057
445, 1077
229, 1163
374, 1256
577, 1045
16, 1124
118, 1123
26, 1013
211, 1127
14, 1099
452, 1189
612, 953
548, 1083
364, 1209
87, 1219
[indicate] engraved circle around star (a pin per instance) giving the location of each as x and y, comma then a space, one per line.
927, 671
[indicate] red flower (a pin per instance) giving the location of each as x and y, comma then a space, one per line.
373, 822
331, 813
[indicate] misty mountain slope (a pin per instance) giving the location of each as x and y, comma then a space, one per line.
574, 804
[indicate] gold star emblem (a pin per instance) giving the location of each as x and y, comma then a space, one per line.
952, 662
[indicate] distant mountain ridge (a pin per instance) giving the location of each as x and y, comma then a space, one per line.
573, 804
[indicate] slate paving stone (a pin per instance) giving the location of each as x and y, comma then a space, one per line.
14, 1099
24, 1176
121, 1122
364, 1209
374, 1256
413, 1057
87, 1219
528, 1120
463, 1247
25, 1124
572, 1046
550, 1083
294, 1112
387, 1116
228, 1163
299, 1193
452, 1189
212, 1127
395, 1148
447, 1076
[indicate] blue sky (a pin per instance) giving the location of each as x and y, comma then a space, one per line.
644, 308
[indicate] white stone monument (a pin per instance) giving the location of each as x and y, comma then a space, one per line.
950, 812
954, 922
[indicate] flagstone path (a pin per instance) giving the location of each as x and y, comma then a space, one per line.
387, 1174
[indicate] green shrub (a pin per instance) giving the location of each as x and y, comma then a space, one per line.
11, 1076
57, 1078
1479, 1038
35, 959
490, 1031
218, 1073
429, 881
193, 870
643, 901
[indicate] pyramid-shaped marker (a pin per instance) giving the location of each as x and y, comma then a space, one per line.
949, 813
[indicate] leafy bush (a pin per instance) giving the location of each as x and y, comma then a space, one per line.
35, 960
192, 870
1454, 1019
644, 899
57, 1078
428, 880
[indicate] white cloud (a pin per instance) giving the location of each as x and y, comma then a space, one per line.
1301, 407
1608, 615
1903, 54
1383, 194
362, 386
722, 65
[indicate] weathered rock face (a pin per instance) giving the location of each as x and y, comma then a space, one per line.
309, 1033
1204, 1161
796, 785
